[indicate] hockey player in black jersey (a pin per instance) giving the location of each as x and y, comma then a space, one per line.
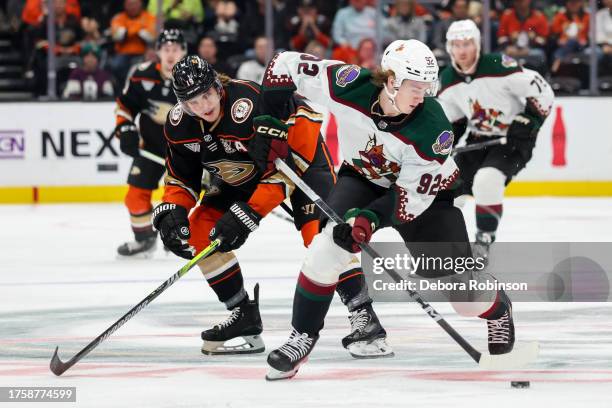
146, 100
208, 134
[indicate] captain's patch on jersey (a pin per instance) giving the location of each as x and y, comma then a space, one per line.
508, 62
444, 143
176, 115
347, 74
241, 109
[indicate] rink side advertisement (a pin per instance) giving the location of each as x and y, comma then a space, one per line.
64, 151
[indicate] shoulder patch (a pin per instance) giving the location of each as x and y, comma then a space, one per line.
347, 74
508, 62
444, 143
176, 114
241, 109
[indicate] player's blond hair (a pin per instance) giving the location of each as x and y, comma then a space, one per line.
380, 77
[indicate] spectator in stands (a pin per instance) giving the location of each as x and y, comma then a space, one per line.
603, 35
227, 22
366, 54
459, 11
33, 15
522, 34
354, 23
35, 11
186, 11
186, 15
253, 70
252, 24
316, 48
207, 49
68, 34
102, 11
91, 29
308, 25
132, 30
406, 24
570, 27
89, 82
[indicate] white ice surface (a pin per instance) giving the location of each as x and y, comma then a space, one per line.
60, 284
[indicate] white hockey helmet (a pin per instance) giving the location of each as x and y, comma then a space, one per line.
462, 30
409, 59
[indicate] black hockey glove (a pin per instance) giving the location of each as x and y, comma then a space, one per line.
269, 142
235, 226
129, 139
357, 229
173, 225
522, 133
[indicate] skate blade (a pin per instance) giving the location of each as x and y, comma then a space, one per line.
375, 349
519, 357
275, 375
249, 345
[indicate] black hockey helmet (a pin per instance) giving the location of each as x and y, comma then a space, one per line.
192, 76
171, 35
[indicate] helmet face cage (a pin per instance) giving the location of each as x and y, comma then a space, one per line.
191, 77
171, 35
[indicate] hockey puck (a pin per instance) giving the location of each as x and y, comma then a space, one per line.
519, 384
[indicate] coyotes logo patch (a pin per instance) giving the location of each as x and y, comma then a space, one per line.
486, 119
373, 164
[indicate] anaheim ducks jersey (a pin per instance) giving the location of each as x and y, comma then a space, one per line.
409, 154
490, 99
148, 96
218, 152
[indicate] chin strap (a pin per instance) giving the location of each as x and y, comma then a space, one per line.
391, 97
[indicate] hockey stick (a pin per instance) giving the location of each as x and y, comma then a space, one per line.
478, 146
485, 361
153, 157
58, 367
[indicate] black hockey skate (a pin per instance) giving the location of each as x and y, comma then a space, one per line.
243, 326
138, 249
286, 360
480, 248
368, 339
501, 331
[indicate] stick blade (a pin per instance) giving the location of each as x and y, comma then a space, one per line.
521, 356
56, 365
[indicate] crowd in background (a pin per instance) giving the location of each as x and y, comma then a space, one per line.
98, 41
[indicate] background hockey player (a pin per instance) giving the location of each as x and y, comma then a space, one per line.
494, 97
208, 132
147, 98
396, 144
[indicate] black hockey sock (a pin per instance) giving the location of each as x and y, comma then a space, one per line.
352, 289
142, 226
229, 286
310, 305
488, 217
500, 306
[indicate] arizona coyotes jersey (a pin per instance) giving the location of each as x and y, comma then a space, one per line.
498, 90
409, 154
220, 150
150, 96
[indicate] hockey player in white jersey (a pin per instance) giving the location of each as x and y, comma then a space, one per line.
396, 143
494, 97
